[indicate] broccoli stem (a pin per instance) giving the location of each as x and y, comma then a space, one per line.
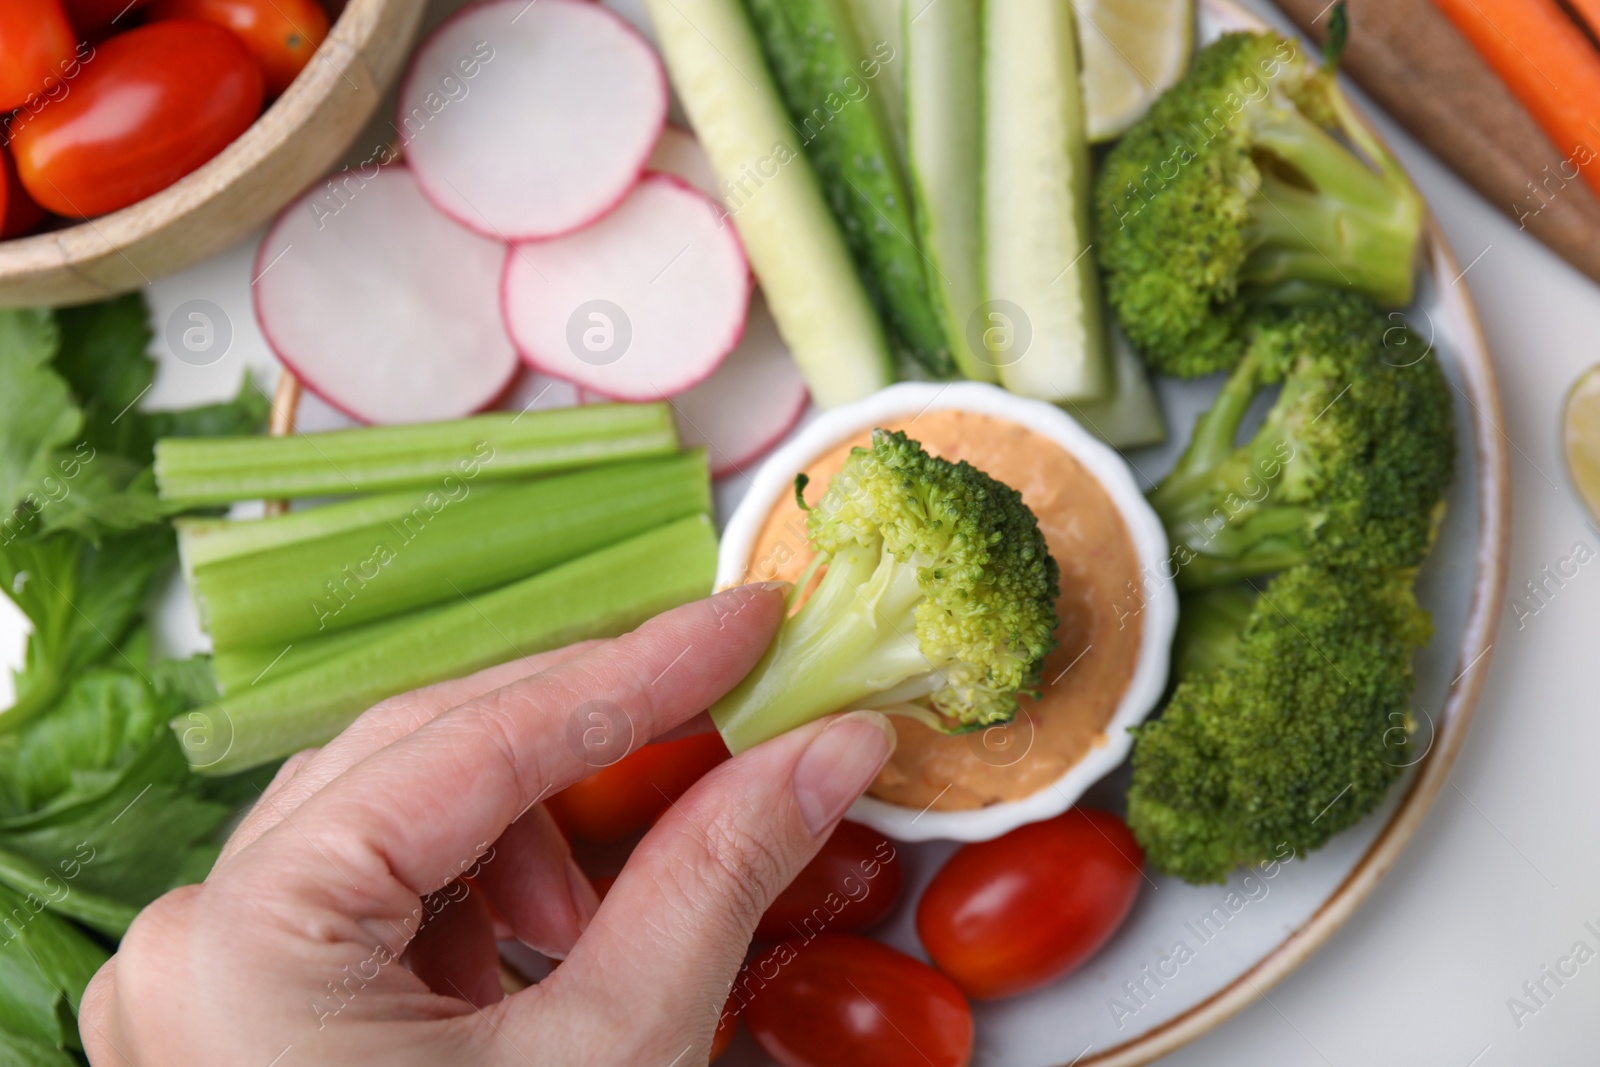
851, 645
1356, 227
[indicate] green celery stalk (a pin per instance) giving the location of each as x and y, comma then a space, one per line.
599, 595
205, 540
438, 551
239, 668
192, 471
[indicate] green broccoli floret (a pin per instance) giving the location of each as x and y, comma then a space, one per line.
938, 601
1350, 466
1234, 190
1281, 732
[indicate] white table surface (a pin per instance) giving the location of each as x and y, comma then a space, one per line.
1503, 875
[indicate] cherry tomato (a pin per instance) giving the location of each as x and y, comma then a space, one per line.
1009, 915
36, 44
850, 886
281, 34
18, 212
150, 106
727, 1026
616, 801
843, 1001
93, 16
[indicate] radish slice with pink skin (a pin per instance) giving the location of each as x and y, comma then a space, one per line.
751, 403
679, 153
529, 120
385, 308
643, 305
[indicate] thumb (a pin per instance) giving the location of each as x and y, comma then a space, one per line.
672, 933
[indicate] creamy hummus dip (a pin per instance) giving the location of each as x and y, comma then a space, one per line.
1083, 680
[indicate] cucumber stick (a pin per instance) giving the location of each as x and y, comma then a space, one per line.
1130, 415
1036, 205
828, 79
880, 27
944, 140
771, 193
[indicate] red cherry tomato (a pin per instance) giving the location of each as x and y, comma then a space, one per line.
92, 16
616, 801
843, 1001
850, 886
18, 212
150, 106
281, 34
1009, 915
36, 44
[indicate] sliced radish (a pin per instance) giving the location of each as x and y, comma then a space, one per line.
679, 153
755, 398
528, 120
642, 305
382, 306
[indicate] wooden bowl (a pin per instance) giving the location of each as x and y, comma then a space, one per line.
296, 141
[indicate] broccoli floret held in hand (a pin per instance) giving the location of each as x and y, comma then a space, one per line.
1234, 190
1350, 467
1283, 730
938, 601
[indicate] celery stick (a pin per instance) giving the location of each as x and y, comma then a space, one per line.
439, 550
207, 540
240, 668
602, 594
221, 470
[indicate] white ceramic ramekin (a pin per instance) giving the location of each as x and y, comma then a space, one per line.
908, 400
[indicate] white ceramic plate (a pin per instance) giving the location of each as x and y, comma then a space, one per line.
1240, 938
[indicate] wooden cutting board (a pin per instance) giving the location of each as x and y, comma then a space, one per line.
1425, 74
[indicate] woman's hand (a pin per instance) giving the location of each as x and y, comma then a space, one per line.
290, 952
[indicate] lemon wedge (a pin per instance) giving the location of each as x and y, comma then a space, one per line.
1581, 433
1133, 50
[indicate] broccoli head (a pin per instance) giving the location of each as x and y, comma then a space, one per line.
938, 601
1234, 190
1290, 721
1349, 467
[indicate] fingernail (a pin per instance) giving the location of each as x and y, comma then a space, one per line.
838, 765
771, 587
585, 901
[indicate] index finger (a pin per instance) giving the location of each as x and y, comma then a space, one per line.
414, 815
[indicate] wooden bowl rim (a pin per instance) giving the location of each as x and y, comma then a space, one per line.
91, 239
1461, 700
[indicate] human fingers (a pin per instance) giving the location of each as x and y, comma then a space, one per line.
411, 817
454, 951
97, 1019
672, 932
537, 887
384, 723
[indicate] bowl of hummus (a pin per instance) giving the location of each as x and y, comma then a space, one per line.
1117, 604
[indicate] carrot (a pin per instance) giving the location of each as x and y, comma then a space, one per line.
1547, 63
